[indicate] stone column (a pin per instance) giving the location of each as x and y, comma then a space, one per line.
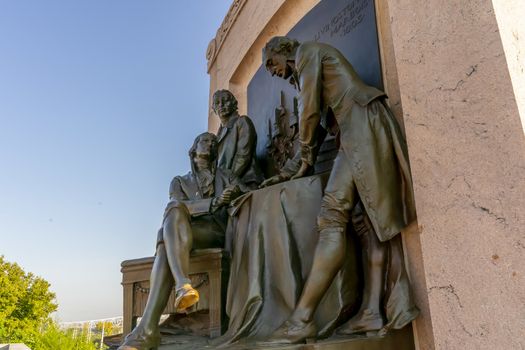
467, 151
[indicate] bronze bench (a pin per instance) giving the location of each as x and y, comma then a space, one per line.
209, 269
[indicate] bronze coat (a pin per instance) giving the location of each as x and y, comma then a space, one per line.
237, 142
370, 136
185, 189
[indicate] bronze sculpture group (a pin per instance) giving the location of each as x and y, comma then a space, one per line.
369, 187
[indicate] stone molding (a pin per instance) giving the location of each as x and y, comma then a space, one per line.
215, 44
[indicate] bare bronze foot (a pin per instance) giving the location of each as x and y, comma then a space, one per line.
364, 322
140, 340
292, 332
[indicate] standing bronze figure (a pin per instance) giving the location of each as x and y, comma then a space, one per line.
195, 218
237, 140
370, 185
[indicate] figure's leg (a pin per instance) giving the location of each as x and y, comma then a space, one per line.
161, 284
328, 259
178, 239
338, 200
146, 335
374, 283
370, 316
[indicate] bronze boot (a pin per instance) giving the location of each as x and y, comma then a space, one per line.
364, 322
292, 333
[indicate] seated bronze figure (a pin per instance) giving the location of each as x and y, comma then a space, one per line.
195, 218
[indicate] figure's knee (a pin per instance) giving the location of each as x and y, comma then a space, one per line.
177, 224
176, 213
332, 243
334, 213
176, 208
333, 235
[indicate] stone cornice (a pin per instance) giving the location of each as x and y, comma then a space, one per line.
215, 44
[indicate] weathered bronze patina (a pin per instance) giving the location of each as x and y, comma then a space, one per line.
370, 178
237, 140
195, 218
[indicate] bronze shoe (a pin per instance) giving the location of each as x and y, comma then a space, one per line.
366, 322
139, 340
186, 297
292, 333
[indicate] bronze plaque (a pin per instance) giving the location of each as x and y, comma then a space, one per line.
348, 25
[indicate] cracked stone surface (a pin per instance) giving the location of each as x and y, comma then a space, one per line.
446, 66
467, 151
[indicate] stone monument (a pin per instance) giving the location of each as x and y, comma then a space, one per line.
451, 72
365, 273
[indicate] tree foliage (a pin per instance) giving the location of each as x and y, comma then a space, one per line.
53, 338
26, 304
108, 327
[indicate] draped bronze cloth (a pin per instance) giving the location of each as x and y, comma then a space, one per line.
272, 235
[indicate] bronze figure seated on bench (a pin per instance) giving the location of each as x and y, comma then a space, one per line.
195, 217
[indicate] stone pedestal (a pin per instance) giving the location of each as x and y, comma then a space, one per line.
396, 340
209, 270
467, 153
445, 68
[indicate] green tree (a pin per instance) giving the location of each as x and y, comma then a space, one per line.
25, 304
107, 326
53, 338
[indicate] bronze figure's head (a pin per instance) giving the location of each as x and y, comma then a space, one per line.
204, 148
224, 104
279, 56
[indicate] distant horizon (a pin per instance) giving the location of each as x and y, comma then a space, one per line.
99, 103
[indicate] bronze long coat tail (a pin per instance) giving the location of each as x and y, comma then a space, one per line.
371, 138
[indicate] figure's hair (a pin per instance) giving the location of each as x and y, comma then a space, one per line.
228, 94
279, 45
205, 184
214, 147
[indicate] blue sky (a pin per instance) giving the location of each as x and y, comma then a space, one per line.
99, 102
